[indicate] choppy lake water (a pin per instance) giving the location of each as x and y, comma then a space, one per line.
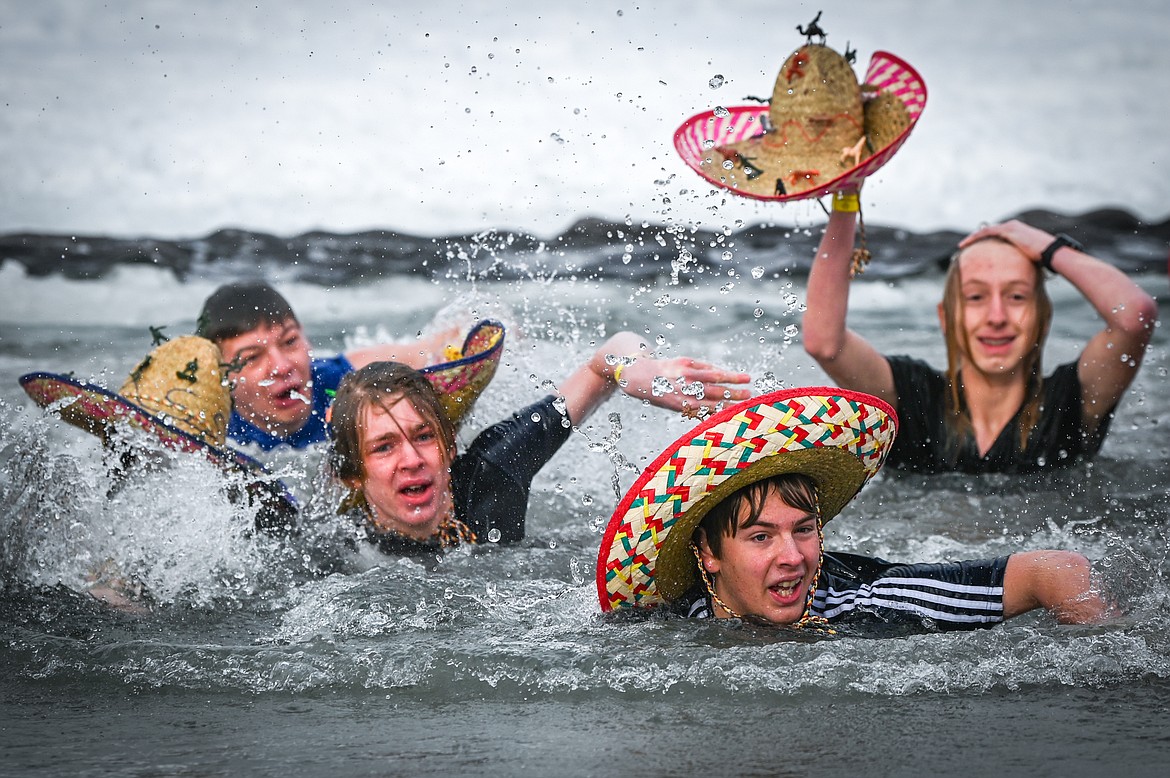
497, 661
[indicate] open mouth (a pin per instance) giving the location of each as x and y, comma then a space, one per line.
786, 591
416, 494
291, 395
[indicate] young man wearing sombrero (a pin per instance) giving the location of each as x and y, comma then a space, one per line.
728, 523
280, 393
395, 449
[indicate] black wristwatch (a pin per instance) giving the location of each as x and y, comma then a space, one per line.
1060, 241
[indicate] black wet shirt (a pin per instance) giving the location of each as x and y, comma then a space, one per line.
1057, 440
490, 483
491, 480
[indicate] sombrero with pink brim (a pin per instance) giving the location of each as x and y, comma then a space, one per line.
176, 394
837, 437
461, 380
698, 136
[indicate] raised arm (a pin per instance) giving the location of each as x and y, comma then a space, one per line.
848, 358
705, 385
1111, 358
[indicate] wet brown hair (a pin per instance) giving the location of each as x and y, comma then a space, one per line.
236, 308
382, 384
795, 489
958, 421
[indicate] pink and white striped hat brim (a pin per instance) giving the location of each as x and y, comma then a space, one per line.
702, 132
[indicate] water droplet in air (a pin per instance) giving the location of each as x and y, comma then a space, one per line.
757, 272
716, 81
493, 533
722, 112
767, 383
536, 417
758, 312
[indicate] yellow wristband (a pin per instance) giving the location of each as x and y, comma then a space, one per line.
846, 202
621, 365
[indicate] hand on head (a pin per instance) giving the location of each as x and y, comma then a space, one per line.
1030, 241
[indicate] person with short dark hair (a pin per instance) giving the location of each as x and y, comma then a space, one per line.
728, 522
279, 391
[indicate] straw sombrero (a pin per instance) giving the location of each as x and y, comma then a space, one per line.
177, 393
837, 437
821, 133
460, 380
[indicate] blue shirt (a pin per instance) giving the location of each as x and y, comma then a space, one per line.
327, 375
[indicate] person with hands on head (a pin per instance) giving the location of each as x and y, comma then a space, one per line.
993, 409
412, 492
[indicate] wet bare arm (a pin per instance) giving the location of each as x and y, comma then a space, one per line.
1058, 581
418, 354
849, 359
593, 383
1111, 358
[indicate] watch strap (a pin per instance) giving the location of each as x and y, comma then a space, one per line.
1058, 242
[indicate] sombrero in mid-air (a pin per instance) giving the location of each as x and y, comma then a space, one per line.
822, 131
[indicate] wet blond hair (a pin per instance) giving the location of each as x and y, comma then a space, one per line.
958, 420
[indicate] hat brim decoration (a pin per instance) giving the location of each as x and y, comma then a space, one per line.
99, 411
839, 438
461, 381
721, 127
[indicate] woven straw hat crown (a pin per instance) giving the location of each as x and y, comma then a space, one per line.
182, 382
816, 101
819, 127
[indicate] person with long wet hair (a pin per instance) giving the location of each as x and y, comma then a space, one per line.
993, 409
412, 492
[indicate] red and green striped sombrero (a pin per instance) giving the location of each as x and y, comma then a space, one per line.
837, 437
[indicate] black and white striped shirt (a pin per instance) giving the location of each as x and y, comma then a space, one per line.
934, 596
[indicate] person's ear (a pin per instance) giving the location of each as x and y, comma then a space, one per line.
709, 560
